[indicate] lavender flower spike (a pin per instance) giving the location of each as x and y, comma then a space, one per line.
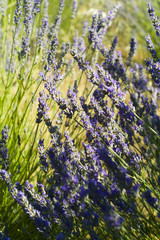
59, 16
132, 51
155, 19
74, 9
28, 18
18, 11
151, 47
4, 157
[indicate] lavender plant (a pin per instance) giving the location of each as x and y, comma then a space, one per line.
98, 171
24, 30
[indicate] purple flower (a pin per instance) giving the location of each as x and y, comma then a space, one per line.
18, 12
151, 47
36, 6
132, 51
155, 20
60, 236
149, 199
74, 9
28, 19
4, 156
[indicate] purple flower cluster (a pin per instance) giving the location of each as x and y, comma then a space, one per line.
24, 199
28, 18
74, 9
100, 26
36, 6
18, 12
132, 51
59, 17
153, 65
155, 19
4, 156
100, 168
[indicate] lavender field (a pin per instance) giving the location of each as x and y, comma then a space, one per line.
79, 120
